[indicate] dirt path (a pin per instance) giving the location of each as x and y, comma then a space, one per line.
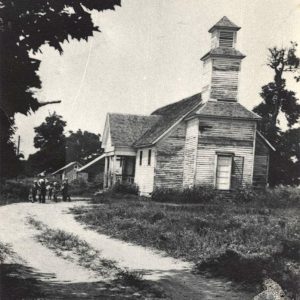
173, 274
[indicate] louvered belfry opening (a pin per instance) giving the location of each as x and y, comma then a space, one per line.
221, 65
226, 39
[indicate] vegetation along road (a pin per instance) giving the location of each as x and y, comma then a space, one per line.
51, 251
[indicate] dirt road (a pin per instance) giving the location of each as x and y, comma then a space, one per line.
173, 274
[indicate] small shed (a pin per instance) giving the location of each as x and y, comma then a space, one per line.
69, 171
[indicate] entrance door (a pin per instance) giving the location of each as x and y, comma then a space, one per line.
223, 176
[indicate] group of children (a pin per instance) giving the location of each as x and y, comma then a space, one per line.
42, 188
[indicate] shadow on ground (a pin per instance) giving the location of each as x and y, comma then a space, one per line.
21, 282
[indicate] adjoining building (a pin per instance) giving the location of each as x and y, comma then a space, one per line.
92, 171
69, 172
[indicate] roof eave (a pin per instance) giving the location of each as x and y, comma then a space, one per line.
266, 141
209, 54
224, 27
226, 117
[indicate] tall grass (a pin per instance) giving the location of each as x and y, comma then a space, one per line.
202, 234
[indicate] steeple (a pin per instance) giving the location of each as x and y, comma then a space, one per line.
221, 65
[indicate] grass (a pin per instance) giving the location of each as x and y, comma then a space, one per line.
70, 247
219, 238
5, 251
65, 244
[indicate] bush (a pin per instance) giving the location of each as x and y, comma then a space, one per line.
80, 187
196, 194
279, 197
244, 194
14, 191
125, 188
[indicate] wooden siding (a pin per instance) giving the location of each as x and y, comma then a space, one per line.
224, 136
170, 158
108, 145
144, 174
225, 77
261, 163
71, 172
206, 80
190, 152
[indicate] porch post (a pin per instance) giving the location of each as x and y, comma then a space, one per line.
105, 183
114, 169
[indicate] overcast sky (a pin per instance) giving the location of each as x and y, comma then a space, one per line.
148, 55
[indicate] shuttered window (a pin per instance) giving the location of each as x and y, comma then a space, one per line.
141, 157
226, 39
237, 172
149, 157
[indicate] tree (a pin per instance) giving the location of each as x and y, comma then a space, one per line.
277, 101
24, 27
82, 146
51, 142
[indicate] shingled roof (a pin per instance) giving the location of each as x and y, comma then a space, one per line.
224, 109
168, 116
125, 129
223, 52
226, 24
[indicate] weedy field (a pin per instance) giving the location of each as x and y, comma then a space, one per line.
245, 241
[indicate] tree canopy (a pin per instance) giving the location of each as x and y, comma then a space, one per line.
51, 142
280, 103
82, 146
55, 148
25, 26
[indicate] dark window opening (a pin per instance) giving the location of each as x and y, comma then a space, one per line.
149, 157
141, 157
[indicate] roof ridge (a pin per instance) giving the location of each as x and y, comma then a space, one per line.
175, 102
128, 114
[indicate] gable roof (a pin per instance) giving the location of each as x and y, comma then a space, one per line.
226, 24
65, 167
224, 109
168, 115
125, 129
223, 52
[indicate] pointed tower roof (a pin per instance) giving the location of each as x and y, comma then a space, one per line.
225, 23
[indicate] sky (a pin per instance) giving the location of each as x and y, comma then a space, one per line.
147, 55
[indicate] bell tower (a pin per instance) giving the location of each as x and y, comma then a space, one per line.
221, 65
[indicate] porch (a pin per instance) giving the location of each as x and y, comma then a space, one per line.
119, 168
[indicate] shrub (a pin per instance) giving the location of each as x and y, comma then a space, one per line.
80, 187
125, 188
281, 197
196, 194
244, 194
14, 191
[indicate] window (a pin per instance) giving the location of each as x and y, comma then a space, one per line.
226, 39
141, 157
223, 172
149, 157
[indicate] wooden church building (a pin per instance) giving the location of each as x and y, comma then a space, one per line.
208, 138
